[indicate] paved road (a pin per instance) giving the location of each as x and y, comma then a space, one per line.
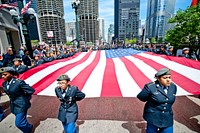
104, 115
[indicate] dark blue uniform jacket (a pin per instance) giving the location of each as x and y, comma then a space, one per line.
20, 94
68, 111
158, 107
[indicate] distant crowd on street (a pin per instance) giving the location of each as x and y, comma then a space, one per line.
23, 61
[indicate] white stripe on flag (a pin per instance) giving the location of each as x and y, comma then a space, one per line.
72, 73
128, 86
148, 71
181, 91
36, 77
93, 85
188, 72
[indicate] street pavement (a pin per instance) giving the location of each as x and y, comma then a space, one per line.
102, 115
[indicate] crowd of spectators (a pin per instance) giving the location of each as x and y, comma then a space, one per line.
23, 61
169, 50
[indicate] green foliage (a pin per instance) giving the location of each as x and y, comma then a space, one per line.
68, 43
153, 40
34, 42
132, 41
187, 29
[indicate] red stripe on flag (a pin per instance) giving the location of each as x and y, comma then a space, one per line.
82, 77
184, 82
135, 72
49, 79
110, 86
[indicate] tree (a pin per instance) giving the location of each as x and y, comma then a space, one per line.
68, 43
34, 42
153, 40
187, 29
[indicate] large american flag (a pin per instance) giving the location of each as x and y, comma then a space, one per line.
114, 73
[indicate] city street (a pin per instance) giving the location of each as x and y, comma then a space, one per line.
104, 115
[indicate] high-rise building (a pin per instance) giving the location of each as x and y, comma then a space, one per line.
101, 30
70, 31
126, 19
88, 23
51, 21
158, 14
110, 33
116, 19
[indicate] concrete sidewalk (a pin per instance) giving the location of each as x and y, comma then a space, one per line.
53, 125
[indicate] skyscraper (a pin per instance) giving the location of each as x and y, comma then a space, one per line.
52, 23
158, 14
88, 23
101, 30
126, 19
110, 33
70, 31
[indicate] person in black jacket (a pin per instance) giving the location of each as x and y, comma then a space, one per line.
159, 97
68, 96
20, 94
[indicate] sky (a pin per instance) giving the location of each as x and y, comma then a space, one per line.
106, 10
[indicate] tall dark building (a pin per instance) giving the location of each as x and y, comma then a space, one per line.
88, 23
52, 23
116, 19
127, 19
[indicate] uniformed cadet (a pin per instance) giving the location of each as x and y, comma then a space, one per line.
159, 97
37, 60
20, 94
19, 68
48, 57
68, 95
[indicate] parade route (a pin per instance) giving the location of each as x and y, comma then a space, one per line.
104, 115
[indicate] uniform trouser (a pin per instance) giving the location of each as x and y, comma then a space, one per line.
154, 129
1, 113
69, 127
22, 123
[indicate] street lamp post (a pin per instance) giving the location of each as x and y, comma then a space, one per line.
23, 19
75, 5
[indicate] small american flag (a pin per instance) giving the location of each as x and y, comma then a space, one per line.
23, 11
114, 73
11, 5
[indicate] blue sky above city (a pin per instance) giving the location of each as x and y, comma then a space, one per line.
106, 10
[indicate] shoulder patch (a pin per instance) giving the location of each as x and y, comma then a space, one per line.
150, 84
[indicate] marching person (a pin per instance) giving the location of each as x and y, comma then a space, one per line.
68, 95
20, 94
159, 97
